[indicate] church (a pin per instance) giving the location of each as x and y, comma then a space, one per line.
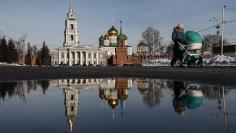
72, 53
115, 44
108, 42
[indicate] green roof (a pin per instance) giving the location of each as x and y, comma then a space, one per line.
121, 37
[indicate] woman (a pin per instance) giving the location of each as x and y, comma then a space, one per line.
178, 38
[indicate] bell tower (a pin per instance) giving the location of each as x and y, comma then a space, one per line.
71, 37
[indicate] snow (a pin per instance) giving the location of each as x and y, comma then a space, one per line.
7, 64
215, 61
220, 60
157, 62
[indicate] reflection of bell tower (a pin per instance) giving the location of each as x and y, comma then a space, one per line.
71, 104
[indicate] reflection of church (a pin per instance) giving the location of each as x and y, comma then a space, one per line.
71, 89
71, 104
143, 85
115, 92
79, 83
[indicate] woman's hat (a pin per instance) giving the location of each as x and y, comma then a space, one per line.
180, 26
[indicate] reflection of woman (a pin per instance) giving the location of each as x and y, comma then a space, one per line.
190, 97
179, 98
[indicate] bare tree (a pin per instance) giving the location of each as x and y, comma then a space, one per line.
152, 37
20, 45
211, 41
34, 50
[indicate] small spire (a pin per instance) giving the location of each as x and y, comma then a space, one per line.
70, 6
121, 27
112, 20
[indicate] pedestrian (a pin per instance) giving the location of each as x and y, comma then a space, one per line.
178, 38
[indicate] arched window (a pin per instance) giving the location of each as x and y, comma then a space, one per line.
72, 27
72, 97
72, 108
72, 38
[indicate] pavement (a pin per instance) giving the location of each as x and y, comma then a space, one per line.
210, 75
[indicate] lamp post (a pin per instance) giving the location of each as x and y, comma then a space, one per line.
153, 42
222, 30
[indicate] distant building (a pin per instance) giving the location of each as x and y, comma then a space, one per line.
72, 53
142, 48
229, 50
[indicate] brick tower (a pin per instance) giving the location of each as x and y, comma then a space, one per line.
121, 56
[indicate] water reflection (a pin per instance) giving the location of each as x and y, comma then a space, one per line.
10, 89
114, 93
190, 97
151, 91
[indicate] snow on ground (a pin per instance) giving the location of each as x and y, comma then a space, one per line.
215, 61
220, 61
157, 62
6, 64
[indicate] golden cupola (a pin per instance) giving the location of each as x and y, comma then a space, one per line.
113, 31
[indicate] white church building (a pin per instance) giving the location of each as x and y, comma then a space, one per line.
108, 42
72, 53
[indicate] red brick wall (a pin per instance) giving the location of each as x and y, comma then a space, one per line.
34, 60
121, 56
21, 60
121, 86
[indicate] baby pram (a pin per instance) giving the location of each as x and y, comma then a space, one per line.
192, 50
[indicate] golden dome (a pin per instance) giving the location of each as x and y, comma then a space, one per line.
113, 102
113, 31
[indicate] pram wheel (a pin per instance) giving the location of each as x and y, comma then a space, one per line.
191, 64
199, 63
175, 62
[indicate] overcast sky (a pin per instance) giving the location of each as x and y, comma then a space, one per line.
44, 19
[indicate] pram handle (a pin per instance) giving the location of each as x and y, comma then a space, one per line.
172, 43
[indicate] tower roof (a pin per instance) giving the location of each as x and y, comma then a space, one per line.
70, 7
106, 37
71, 14
101, 37
142, 44
121, 36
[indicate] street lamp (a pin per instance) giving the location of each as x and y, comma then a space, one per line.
153, 42
222, 30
